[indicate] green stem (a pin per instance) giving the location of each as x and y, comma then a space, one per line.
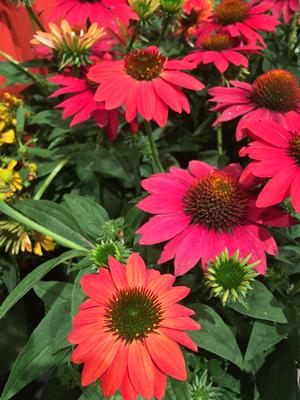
133, 37
165, 26
154, 151
33, 18
23, 69
219, 140
17, 216
291, 37
49, 179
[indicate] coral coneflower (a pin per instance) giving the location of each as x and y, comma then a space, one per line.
107, 13
81, 104
241, 18
270, 97
221, 50
286, 8
203, 211
145, 82
276, 151
195, 12
129, 329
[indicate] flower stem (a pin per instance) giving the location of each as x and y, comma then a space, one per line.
23, 69
17, 216
133, 37
154, 151
165, 26
33, 18
50, 178
219, 140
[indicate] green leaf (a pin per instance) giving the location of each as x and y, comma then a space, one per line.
264, 335
58, 221
45, 348
223, 378
89, 215
31, 279
260, 303
277, 379
215, 336
77, 296
51, 291
20, 119
177, 390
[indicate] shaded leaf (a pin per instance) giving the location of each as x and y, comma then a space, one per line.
215, 336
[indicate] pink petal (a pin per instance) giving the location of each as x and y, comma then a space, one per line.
180, 337
162, 227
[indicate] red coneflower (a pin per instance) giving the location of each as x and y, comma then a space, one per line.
128, 330
270, 97
276, 152
107, 13
81, 104
221, 50
241, 18
145, 82
201, 212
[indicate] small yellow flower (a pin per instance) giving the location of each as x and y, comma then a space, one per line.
9, 178
72, 45
14, 237
32, 170
41, 242
144, 8
7, 137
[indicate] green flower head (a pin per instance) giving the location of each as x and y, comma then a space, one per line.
229, 277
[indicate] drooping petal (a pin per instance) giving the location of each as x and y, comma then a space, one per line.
140, 369
166, 354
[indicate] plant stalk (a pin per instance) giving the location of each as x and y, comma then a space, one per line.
154, 151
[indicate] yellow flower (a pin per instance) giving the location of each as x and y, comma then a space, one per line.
42, 242
7, 137
9, 178
144, 8
72, 45
32, 170
14, 237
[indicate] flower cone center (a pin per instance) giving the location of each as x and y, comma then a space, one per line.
231, 11
277, 90
217, 42
144, 65
294, 148
230, 275
133, 313
216, 201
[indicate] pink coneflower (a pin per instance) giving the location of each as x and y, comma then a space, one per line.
82, 106
241, 18
203, 211
107, 13
276, 151
270, 97
146, 83
221, 50
286, 8
129, 328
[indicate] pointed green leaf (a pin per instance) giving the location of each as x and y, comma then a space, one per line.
31, 279
215, 336
260, 303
